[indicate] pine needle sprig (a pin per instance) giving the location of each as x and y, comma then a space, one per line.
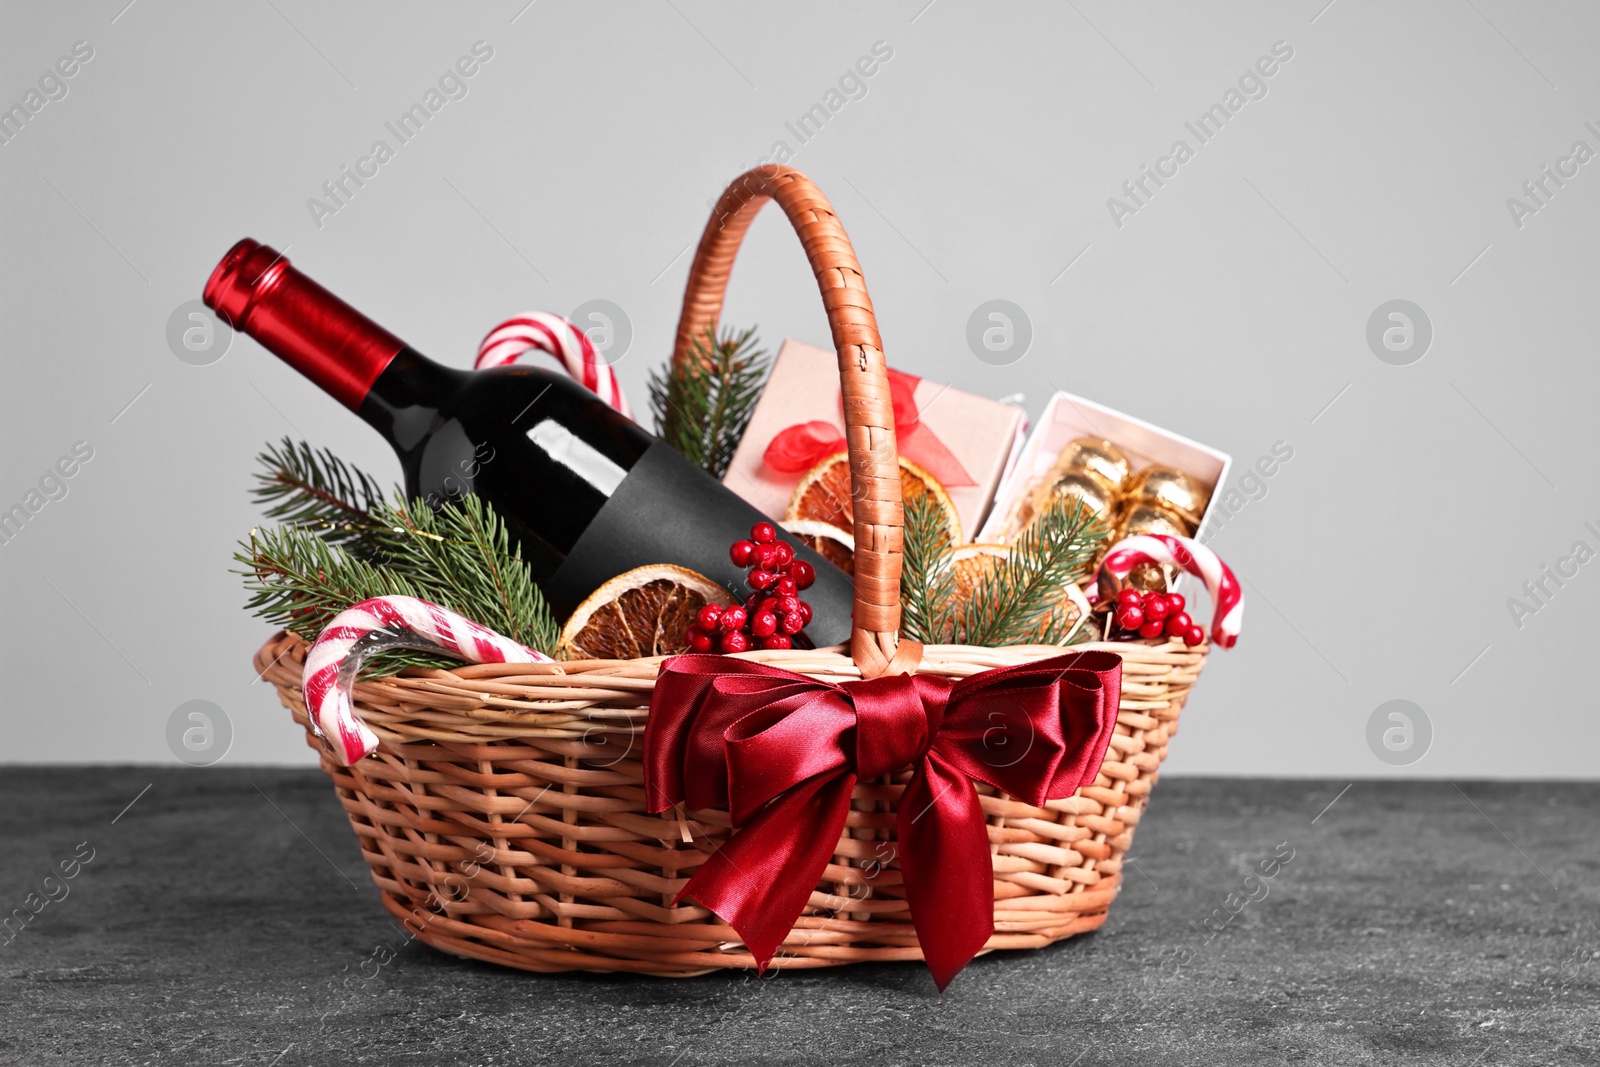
702, 404
459, 558
1019, 601
927, 581
298, 581
463, 557
303, 486
1019, 597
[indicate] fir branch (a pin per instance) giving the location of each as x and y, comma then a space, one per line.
1016, 601
462, 555
459, 558
298, 581
702, 404
303, 486
927, 582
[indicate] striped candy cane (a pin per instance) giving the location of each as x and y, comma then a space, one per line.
1227, 599
544, 332
377, 625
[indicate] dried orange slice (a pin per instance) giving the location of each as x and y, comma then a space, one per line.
823, 494
642, 612
972, 564
827, 540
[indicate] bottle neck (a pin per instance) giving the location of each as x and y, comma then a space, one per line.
405, 400
258, 292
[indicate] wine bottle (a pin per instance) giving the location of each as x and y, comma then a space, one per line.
585, 492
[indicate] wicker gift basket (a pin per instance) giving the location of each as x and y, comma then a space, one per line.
504, 817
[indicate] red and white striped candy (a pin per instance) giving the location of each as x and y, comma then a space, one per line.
374, 626
543, 332
1227, 599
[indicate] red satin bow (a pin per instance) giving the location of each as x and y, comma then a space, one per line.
802, 446
782, 753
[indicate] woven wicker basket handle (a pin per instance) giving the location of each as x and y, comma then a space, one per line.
868, 410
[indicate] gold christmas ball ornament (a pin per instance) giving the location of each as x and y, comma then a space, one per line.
1144, 518
1098, 457
1170, 489
1148, 578
1093, 491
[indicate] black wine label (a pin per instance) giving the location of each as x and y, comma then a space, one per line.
667, 510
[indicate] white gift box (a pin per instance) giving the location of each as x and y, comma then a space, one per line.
1067, 417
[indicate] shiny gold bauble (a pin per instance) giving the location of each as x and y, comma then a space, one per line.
1098, 457
1143, 518
1097, 495
1148, 578
1171, 489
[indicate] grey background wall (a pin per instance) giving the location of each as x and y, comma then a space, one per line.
1231, 306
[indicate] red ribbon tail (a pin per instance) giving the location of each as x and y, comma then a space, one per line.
922, 446
949, 877
759, 881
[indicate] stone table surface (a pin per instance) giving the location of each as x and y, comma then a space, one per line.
225, 917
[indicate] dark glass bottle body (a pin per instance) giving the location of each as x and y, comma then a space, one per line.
586, 493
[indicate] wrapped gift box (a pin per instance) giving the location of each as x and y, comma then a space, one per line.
1067, 417
967, 442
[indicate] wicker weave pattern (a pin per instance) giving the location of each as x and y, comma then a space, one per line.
503, 818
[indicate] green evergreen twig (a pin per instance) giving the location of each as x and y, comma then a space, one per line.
703, 404
1020, 601
927, 582
1018, 598
462, 555
302, 486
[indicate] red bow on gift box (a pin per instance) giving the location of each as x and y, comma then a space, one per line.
782, 753
803, 445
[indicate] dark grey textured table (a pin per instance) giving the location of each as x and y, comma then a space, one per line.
226, 918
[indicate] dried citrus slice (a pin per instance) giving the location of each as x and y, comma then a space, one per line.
642, 612
827, 540
972, 565
823, 494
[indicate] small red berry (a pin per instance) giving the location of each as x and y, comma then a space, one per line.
699, 640
785, 553
805, 613
741, 552
792, 624
788, 605
1151, 629
1130, 617
776, 641
762, 579
786, 586
764, 624
752, 603
766, 556
804, 573
1130, 597
732, 619
1176, 602
708, 617
1194, 636
1155, 607
1179, 624
734, 642
769, 604
763, 533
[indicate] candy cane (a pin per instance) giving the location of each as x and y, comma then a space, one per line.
544, 332
372, 626
1227, 599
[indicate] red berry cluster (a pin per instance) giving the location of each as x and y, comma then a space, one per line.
1151, 614
773, 613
